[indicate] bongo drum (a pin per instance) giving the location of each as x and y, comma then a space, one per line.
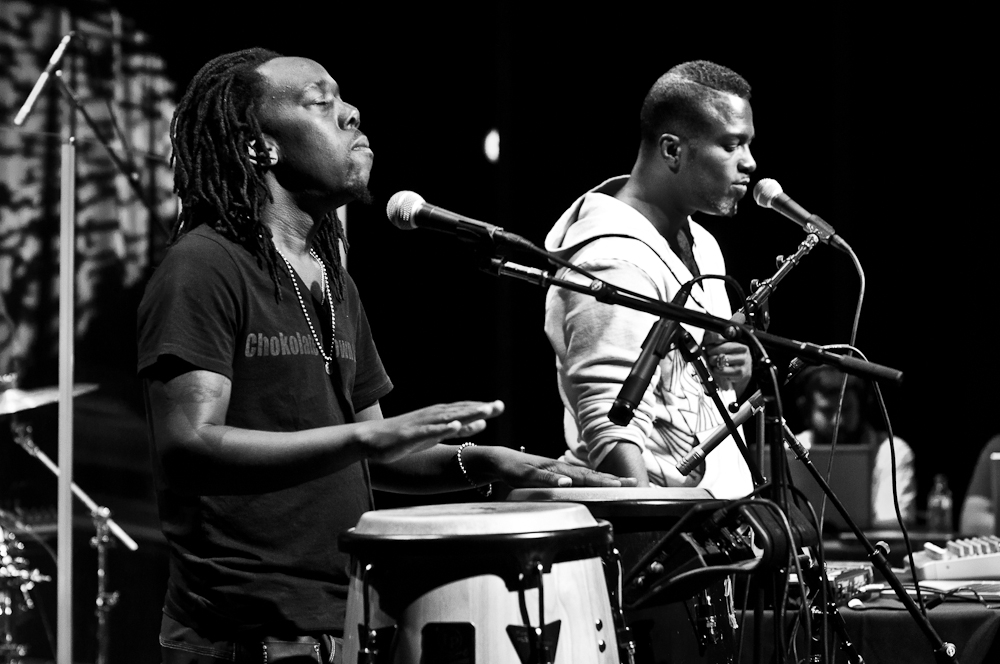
503, 583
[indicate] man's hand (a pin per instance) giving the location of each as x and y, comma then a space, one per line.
521, 470
390, 439
729, 361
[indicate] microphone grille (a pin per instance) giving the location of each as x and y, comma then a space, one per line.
766, 191
400, 209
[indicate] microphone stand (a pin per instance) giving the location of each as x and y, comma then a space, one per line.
774, 426
729, 329
692, 353
754, 311
943, 651
67, 261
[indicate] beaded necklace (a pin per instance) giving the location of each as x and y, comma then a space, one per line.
326, 296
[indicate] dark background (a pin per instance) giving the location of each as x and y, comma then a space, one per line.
870, 123
877, 124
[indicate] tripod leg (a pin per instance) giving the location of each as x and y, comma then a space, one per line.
844, 641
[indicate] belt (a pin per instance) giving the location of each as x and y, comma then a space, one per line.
299, 650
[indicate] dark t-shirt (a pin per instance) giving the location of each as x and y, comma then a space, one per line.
266, 563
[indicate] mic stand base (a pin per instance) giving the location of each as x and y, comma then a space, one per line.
945, 653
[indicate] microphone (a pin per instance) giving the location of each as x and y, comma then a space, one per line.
408, 210
715, 437
40, 83
768, 193
660, 336
796, 366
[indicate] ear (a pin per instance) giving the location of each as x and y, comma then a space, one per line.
272, 153
670, 150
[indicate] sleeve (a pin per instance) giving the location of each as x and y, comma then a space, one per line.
371, 382
883, 508
191, 308
601, 343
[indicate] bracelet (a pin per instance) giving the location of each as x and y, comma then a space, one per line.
458, 455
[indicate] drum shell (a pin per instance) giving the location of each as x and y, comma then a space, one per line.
640, 518
480, 585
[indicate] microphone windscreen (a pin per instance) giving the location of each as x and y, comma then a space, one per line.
400, 209
766, 191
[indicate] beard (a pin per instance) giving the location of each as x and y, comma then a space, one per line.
360, 193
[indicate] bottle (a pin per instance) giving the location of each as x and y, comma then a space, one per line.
939, 511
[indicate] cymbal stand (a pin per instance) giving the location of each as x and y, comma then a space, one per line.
103, 525
105, 600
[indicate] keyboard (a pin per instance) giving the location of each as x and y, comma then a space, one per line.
970, 558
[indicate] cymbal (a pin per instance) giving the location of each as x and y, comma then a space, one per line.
15, 400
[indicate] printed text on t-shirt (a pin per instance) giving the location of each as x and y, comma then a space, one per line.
259, 344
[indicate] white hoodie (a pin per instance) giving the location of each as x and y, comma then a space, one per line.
596, 344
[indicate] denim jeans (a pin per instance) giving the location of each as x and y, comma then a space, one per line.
180, 644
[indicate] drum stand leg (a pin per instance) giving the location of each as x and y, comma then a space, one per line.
374, 645
613, 573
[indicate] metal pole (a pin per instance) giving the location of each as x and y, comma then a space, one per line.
64, 502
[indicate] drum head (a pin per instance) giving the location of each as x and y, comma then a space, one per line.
587, 494
475, 519
506, 539
622, 505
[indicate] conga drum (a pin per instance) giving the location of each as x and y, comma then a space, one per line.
640, 517
497, 583
646, 522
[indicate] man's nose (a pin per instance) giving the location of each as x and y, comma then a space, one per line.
350, 118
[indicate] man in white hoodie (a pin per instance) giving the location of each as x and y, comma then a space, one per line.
636, 232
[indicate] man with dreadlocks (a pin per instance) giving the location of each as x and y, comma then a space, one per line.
636, 232
262, 380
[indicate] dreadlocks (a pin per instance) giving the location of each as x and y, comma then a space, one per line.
217, 174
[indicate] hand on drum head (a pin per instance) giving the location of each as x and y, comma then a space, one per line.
521, 470
396, 437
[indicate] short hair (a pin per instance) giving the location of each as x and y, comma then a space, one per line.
826, 381
677, 101
214, 130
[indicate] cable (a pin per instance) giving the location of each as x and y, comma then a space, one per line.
891, 439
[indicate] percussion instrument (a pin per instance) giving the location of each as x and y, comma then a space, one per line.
653, 540
504, 583
16, 582
14, 400
641, 519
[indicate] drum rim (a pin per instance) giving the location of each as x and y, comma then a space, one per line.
546, 546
